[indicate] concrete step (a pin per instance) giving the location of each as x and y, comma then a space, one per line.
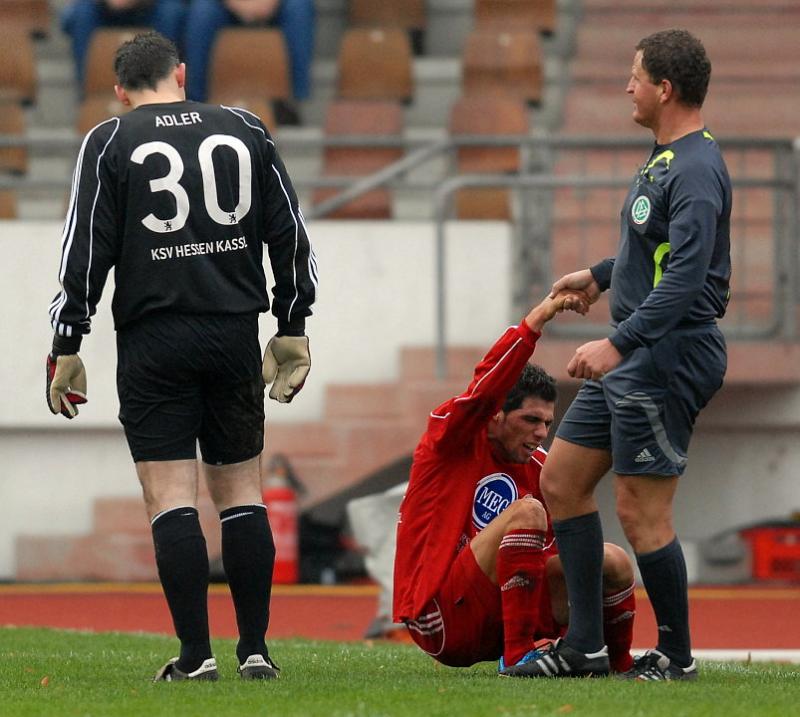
360, 401
106, 557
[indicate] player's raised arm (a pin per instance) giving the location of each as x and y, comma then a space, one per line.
459, 418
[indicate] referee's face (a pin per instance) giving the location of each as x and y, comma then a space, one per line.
644, 94
518, 433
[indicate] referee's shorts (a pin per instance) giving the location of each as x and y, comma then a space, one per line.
643, 411
185, 379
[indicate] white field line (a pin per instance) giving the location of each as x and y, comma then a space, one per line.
741, 655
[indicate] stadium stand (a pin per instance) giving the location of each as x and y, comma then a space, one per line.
506, 61
8, 204
31, 16
97, 108
409, 15
538, 14
99, 74
361, 117
376, 64
17, 65
363, 427
487, 114
249, 62
12, 122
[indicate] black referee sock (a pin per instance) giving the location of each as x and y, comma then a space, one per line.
580, 547
664, 576
248, 556
182, 561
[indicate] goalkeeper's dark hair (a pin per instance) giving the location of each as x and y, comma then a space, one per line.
141, 63
677, 56
533, 382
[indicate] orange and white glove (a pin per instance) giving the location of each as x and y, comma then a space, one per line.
287, 361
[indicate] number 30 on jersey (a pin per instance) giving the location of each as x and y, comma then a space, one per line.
171, 181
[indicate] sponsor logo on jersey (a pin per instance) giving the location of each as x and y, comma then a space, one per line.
640, 211
493, 494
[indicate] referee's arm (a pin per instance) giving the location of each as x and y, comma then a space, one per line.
89, 239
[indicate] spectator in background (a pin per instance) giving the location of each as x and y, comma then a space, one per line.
295, 19
81, 18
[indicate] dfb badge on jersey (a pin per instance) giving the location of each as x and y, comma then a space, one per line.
493, 494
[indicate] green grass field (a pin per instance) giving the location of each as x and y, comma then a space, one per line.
55, 673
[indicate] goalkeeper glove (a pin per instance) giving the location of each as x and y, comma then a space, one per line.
287, 361
66, 384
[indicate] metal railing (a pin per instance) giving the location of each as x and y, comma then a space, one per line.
764, 242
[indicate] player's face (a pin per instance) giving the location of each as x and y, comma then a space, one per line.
520, 432
644, 93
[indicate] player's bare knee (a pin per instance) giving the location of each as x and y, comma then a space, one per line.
617, 568
526, 514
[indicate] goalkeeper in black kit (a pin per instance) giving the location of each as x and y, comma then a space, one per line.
180, 198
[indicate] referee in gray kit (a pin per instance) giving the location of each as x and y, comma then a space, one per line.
181, 198
647, 382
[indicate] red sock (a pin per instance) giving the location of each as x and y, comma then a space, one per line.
520, 573
618, 612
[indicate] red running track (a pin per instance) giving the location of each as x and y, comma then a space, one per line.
721, 617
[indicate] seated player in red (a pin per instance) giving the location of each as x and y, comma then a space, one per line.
477, 575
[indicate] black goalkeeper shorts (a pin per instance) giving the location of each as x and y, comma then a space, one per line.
184, 379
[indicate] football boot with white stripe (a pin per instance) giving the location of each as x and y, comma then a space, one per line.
655, 666
527, 657
170, 673
560, 660
257, 667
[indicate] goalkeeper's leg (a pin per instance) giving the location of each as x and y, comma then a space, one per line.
170, 492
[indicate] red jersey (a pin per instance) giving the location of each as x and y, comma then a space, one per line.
457, 484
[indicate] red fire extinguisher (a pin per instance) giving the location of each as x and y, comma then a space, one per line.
281, 502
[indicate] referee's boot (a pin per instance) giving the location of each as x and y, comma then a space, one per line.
258, 667
171, 673
655, 666
560, 660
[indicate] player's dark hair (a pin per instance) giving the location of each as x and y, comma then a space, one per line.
677, 56
141, 63
533, 382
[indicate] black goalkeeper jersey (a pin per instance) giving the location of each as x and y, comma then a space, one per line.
673, 264
180, 198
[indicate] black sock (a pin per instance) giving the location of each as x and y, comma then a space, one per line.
248, 556
664, 576
580, 546
182, 561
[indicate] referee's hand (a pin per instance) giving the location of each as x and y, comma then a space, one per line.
66, 384
287, 361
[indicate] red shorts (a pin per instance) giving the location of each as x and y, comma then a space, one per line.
463, 622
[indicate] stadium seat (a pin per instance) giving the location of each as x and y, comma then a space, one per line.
96, 109
503, 61
361, 117
99, 77
12, 122
487, 115
408, 15
31, 16
17, 66
257, 105
375, 64
8, 204
250, 62
522, 14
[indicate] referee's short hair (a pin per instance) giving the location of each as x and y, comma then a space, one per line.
533, 382
141, 63
677, 56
